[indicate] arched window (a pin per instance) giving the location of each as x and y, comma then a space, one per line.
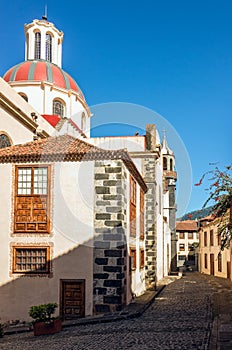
4, 141
24, 96
49, 47
58, 108
27, 45
37, 45
171, 165
83, 122
165, 164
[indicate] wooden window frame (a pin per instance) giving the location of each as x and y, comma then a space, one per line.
190, 235
141, 258
205, 238
31, 272
181, 235
211, 237
142, 229
206, 260
133, 257
133, 226
33, 226
220, 262
180, 248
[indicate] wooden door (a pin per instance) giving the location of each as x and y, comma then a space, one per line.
211, 264
228, 269
72, 299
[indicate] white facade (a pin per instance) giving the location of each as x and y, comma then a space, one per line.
70, 241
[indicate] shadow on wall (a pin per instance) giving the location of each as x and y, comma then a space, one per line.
72, 282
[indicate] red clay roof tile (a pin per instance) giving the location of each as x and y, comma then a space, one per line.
187, 225
66, 148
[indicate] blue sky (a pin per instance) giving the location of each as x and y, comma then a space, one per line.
173, 58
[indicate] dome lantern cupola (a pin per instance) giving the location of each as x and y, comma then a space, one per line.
43, 41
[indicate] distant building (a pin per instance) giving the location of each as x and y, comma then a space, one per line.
187, 243
213, 261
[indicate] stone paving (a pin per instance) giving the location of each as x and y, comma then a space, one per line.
179, 318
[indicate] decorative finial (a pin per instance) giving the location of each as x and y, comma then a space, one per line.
164, 134
45, 17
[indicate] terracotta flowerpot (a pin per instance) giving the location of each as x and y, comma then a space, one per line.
42, 328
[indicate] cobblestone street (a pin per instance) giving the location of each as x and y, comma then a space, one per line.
179, 318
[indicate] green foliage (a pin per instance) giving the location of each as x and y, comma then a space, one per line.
220, 191
43, 313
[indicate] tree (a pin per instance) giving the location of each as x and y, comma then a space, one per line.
220, 192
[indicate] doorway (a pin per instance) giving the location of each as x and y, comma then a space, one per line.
72, 299
212, 264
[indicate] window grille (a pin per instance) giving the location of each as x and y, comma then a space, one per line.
32, 181
37, 45
49, 47
4, 141
31, 260
58, 108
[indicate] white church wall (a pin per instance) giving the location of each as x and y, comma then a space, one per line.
159, 221
167, 235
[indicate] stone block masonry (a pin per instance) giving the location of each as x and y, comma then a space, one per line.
110, 246
150, 217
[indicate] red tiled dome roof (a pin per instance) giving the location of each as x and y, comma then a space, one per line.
39, 70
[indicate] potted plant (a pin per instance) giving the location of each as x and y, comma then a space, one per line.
44, 322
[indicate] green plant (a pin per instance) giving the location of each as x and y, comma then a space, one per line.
43, 313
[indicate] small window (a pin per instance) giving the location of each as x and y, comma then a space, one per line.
190, 247
211, 237
37, 45
181, 235
206, 261
165, 163
190, 235
219, 262
58, 108
83, 122
171, 165
32, 180
132, 258
142, 259
31, 260
181, 257
219, 240
181, 247
205, 239
49, 47
4, 141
